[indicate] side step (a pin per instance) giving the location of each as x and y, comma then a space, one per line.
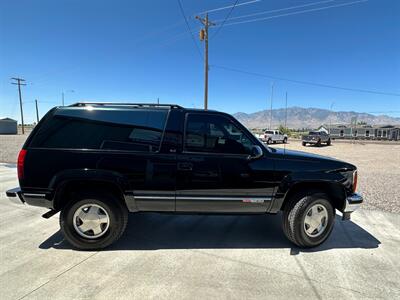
49, 214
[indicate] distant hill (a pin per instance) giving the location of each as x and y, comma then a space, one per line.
298, 117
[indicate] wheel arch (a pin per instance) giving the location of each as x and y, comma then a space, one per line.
335, 191
71, 182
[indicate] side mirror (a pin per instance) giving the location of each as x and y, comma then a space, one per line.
256, 152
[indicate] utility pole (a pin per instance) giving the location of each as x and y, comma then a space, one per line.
204, 37
37, 111
330, 118
272, 97
18, 82
286, 112
158, 100
62, 98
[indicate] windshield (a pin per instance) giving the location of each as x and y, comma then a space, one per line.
269, 132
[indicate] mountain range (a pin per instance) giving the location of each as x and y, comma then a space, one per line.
299, 117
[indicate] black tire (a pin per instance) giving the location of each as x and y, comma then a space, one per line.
328, 143
269, 141
294, 214
118, 218
304, 144
318, 144
285, 140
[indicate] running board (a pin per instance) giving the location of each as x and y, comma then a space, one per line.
49, 214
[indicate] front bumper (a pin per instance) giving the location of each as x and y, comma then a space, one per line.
353, 202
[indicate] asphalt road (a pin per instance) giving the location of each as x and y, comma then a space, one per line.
196, 257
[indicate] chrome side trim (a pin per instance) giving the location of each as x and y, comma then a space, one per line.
154, 197
34, 195
244, 199
353, 202
202, 198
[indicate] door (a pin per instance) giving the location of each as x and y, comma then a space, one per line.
214, 172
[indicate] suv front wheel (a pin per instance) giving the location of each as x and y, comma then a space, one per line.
308, 219
93, 221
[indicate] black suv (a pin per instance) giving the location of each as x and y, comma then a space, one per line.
96, 162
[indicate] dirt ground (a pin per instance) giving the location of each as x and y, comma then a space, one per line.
378, 165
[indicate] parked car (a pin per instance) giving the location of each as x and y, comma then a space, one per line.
316, 138
96, 162
273, 136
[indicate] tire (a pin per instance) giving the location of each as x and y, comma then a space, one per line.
294, 219
285, 140
304, 144
108, 208
269, 141
318, 144
328, 143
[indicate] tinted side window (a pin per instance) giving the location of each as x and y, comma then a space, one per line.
216, 134
112, 129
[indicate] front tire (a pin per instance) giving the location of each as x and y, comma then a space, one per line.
93, 221
304, 144
308, 219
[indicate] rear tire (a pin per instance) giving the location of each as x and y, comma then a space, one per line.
285, 140
93, 221
308, 219
328, 143
304, 144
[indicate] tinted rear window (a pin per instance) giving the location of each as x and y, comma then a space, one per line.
269, 132
97, 128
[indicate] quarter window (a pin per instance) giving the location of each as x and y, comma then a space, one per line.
215, 134
108, 129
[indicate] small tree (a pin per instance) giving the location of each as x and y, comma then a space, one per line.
284, 130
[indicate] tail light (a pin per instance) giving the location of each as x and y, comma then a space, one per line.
355, 180
20, 163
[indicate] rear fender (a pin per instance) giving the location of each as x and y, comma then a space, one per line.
87, 176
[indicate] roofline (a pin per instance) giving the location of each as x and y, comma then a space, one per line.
80, 104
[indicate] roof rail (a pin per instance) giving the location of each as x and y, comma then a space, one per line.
124, 104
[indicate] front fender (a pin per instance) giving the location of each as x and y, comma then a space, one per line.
334, 181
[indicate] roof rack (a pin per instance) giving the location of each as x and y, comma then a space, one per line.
78, 104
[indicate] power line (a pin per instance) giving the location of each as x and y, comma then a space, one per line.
226, 7
226, 18
296, 13
278, 10
188, 27
308, 82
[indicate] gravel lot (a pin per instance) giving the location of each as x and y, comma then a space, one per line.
378, 165
9, 147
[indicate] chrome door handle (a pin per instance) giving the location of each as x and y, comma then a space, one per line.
185, 166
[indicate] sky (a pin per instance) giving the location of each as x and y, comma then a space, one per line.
139, 51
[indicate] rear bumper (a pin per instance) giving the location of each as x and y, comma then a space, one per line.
353, 202
15, 195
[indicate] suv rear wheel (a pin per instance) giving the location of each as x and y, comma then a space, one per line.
93, 221
308, 219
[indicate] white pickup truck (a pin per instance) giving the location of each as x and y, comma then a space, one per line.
273, 136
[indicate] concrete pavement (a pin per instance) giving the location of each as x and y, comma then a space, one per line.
196, 257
